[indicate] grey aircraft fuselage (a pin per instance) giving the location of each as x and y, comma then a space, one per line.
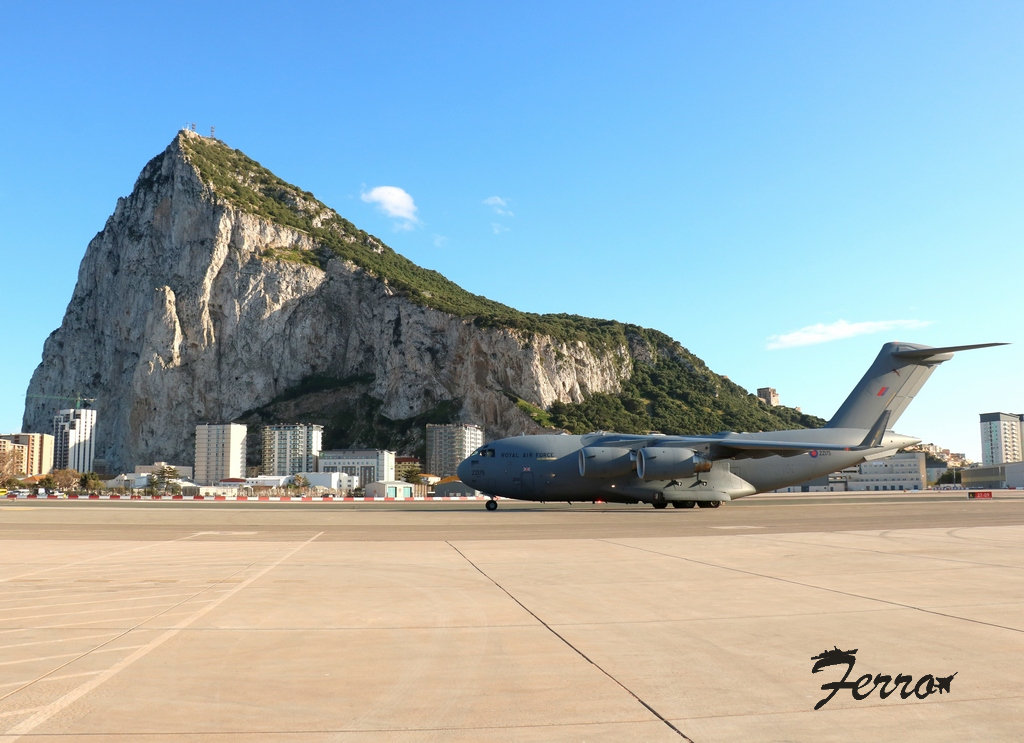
545, 467
706, 470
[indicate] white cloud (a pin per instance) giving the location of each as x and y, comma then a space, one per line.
394, 202
497, 229
499, 205
821, 333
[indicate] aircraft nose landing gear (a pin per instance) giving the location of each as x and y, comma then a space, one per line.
491, 505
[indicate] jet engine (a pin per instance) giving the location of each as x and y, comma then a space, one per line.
606, 461
669, 463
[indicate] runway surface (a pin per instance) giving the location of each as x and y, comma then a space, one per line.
129, 621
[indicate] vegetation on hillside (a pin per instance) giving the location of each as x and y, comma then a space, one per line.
676, 398
674, 392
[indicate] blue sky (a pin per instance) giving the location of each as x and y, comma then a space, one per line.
732, 174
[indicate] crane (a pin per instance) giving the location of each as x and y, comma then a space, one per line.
77, 399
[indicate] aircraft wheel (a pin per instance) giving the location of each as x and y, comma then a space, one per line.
683, 504
659, 504
491, 505
709, 503
659, 500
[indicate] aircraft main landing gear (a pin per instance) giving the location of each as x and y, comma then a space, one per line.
491, 505
683, 503
710, 503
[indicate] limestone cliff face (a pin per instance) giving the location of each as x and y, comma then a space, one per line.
183, 314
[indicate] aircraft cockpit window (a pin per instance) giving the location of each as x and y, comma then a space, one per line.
486, 452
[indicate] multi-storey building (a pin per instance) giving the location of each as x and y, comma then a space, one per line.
291, 448
369, 465
405, 465
448, 444
768, 395
74, 445
39, 455
1001, 438
220, 452
13, 459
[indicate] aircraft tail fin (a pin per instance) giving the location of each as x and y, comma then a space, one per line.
884, 392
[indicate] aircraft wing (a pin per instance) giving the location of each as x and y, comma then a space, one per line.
738, 447
728, 445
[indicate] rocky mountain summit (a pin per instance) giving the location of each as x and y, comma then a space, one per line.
217, 292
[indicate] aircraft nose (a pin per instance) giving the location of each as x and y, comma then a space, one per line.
462, 471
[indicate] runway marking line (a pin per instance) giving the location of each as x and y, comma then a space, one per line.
115, 649
49, 710
54, 642
148, 545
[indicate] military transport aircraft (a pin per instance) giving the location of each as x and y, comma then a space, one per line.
707, 470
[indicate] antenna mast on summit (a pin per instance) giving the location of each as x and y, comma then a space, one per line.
212, 130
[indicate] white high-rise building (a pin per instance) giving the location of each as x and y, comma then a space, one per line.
74, 446
291, 448
1001, 438
220, 452
448, 444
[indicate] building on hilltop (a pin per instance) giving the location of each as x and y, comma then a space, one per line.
768, 395
39, 454
74, 445
220, 452
1001, 438
369, 465
448, 444
289, 449
951, 458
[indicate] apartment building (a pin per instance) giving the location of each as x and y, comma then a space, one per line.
74, 444
289, 449
220, 452
448, 444
1001, 438
39, 451
13, 458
